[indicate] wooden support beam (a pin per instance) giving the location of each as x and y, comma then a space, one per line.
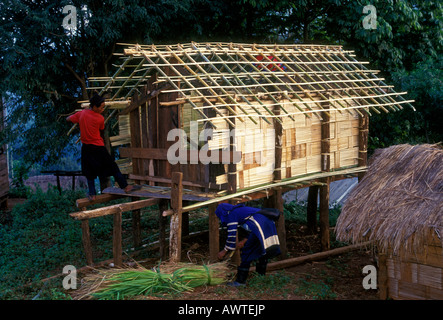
127, 206
163, 205
117, 239
86, 241
176, 218
324, 190
100, 198
311, 210
277, 196
136, 227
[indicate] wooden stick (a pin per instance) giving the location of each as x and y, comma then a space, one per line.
287, 263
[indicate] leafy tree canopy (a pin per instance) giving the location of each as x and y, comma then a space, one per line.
44, 67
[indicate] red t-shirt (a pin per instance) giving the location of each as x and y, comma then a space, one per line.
90, 125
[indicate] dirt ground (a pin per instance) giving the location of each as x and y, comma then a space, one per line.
336, 278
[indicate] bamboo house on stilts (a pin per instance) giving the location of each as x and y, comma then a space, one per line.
204, 123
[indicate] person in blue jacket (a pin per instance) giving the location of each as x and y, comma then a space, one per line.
257, 238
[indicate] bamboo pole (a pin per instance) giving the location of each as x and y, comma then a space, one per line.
269, 186
106, 87
227, 81
179, 90
194, 89
211, 89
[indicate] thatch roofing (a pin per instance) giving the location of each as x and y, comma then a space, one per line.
249, 80
399, 202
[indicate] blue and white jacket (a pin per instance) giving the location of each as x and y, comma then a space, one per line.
240, 215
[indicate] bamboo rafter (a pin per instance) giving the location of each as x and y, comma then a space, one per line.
250, 80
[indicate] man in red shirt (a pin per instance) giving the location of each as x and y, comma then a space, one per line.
96, 161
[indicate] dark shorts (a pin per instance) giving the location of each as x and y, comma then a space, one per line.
97, 162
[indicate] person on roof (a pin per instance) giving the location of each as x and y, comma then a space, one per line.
95, 158
257, 238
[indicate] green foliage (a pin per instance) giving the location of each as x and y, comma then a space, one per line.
44, 68
296, 212
424, 85
41, 238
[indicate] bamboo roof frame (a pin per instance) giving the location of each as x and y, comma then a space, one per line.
237, 76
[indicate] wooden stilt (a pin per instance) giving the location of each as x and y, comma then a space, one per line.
117, 239
311, 212
277, 196
86, 240
163, 205
136, 228
214, 234
324, 217
324, 189
176, 218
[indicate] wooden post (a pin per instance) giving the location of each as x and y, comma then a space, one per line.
163, 205
86, 241
277, 197
311, 212
363, 133
117, 239
324, 189
382, 276
214, 234
176, 219
136, 228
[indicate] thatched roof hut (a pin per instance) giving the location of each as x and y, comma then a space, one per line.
399, 202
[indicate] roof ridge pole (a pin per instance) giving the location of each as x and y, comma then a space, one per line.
382, 82
191, 86
222, 89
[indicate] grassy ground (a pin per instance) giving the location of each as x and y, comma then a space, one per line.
39, 238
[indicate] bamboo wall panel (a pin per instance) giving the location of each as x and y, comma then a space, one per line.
301, 144
417, 276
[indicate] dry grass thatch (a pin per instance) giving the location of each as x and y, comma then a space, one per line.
399, 202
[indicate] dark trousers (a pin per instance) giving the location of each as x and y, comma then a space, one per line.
118, 176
